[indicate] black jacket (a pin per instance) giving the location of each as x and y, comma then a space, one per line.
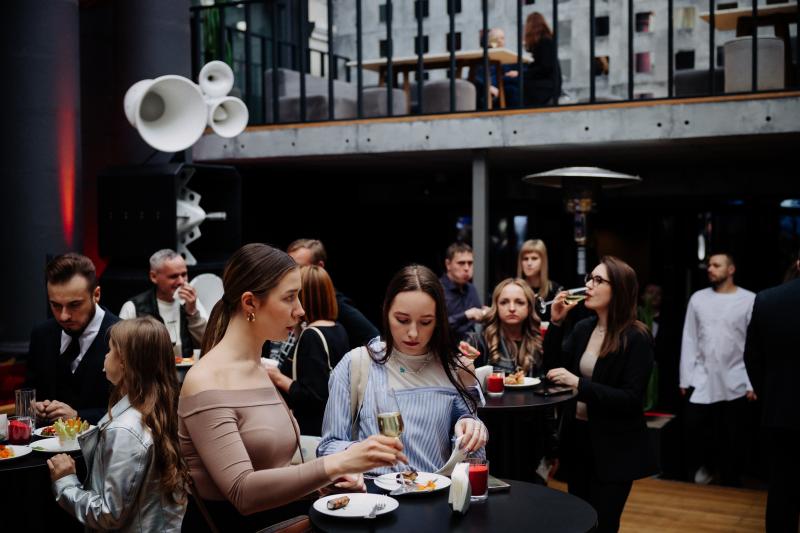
88, 392
772, 353
614, 398
147, 304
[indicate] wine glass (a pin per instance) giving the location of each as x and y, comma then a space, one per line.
390, 420
573, 296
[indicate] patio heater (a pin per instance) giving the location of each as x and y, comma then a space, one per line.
581, 186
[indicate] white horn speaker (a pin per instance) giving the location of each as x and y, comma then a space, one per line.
227, 116
169, 112
216, 79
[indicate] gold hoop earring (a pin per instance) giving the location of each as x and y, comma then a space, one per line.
251, 317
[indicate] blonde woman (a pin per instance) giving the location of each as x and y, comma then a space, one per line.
136, 473
511, 339
532, 266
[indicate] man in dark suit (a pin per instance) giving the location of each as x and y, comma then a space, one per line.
66, 353
772, 357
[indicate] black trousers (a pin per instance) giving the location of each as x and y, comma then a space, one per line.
607, 497
783, 498
715, 435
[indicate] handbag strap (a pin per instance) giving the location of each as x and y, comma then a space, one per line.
202, 506
297, 345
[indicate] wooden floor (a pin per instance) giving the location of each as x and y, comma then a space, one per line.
660, 506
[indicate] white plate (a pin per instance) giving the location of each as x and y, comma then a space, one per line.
38, 432
19, 451
389, 482
53, 446
360, 505
529, 382
186, 363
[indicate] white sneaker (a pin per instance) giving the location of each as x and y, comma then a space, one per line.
702, 476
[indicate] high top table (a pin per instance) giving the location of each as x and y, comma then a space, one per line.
524, 507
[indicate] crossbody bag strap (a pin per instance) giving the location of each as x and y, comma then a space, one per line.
202, 506
324, 345
359, 375
294, 356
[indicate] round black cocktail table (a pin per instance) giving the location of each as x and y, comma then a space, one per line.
525, 507
28, 493
518, 429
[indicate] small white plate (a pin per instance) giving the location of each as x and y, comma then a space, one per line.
360, 505
186, 363
19, 451
529, 382
53, 446
389, 482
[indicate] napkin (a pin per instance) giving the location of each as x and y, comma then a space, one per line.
482, 373
460, 491
456, 457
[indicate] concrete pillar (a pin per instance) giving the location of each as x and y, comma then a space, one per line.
40, 195
480, 221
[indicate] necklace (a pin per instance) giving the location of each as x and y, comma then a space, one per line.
405, 368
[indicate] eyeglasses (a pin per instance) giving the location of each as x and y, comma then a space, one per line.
596, 280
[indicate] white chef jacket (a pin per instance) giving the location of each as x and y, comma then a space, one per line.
712, 351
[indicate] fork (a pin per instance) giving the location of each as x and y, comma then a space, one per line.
379, 506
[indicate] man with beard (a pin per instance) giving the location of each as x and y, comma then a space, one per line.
713, 377
66, 353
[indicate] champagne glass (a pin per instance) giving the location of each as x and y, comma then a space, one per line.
390, 420
573, 296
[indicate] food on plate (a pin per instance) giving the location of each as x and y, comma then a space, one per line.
70, 428
425, 487
517, 378
338, 503
6, 452
407, 475
467, 350
48, 431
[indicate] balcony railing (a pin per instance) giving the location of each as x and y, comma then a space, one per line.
268, 60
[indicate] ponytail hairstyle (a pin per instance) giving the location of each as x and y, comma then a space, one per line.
530, 351
151, 384
254, 267
422, 278
622, 309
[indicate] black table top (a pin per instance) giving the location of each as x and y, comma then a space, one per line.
525, 507
524, 399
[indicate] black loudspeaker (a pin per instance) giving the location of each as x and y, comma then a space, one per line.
137, 212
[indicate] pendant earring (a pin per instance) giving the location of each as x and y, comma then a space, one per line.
251, 317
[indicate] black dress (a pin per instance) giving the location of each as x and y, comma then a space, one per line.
309, 392
542, 84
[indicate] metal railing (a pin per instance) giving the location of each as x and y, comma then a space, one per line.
295, 54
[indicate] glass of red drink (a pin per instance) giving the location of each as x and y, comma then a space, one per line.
478, 478
495, 383
19, 429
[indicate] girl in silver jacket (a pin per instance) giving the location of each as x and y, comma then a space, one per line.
135, 478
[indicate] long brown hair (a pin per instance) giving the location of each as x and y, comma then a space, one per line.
536, 246
151, 384
536, 28
530, 351
254, 267
317, 295
622, 309
422, 278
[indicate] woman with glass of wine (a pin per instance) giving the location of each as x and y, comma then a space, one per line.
607, 359
533, 267
415, 359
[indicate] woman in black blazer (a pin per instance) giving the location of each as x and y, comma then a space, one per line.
608, 359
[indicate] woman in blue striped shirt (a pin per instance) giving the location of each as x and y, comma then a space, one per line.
423, 369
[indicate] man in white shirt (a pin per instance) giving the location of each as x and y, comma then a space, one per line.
713, 377
172, 301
